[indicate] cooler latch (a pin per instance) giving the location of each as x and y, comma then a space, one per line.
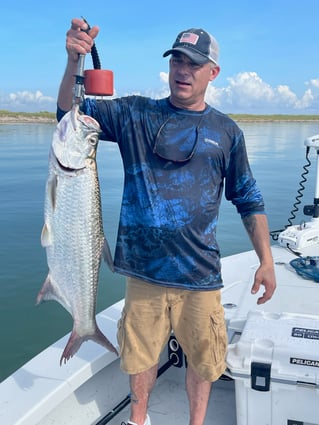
260, 376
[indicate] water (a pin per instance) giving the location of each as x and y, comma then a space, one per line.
276, 153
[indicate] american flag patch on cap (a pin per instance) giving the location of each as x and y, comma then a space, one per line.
189, 37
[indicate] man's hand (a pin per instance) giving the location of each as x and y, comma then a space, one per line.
265, 275
258, 231
80, 39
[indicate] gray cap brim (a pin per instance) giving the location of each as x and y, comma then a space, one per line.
194, 56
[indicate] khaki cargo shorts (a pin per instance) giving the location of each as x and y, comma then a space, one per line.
152, 312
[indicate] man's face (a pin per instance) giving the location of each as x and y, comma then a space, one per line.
188, 81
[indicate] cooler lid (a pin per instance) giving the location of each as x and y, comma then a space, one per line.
285, 344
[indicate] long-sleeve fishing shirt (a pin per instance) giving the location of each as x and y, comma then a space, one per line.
176, 165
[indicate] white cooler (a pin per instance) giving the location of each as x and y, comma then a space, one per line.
274, 359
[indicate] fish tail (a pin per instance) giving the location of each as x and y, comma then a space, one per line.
101, 339
75, 341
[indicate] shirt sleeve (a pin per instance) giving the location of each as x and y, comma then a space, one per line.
59, 113
240, 186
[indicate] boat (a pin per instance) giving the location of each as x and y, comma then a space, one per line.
257, 387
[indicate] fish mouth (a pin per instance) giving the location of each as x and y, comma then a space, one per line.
68, 169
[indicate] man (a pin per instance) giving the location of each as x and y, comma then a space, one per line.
178, 155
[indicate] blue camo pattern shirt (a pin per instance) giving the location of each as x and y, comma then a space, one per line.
169, 213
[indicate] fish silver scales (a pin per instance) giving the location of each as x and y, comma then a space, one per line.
73, 231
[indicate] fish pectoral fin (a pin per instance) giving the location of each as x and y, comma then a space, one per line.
107, 255
46, 236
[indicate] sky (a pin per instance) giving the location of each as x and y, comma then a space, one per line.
269, 50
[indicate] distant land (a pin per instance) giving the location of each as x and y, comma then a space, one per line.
8, 117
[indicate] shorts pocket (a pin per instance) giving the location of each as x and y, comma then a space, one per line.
218, 337
121, 332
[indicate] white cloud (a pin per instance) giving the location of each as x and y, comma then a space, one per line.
164, 77
310, 99
25, 101
246, 92
314, 83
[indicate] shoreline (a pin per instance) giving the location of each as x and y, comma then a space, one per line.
48, 118
24, 119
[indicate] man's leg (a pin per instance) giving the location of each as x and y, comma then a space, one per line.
141, 387
199, 326
140, 348
198, 392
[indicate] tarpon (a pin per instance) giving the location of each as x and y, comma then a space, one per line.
73, 232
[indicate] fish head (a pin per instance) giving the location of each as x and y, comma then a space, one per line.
75, 139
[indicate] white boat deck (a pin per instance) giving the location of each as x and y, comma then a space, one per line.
91, 384
169, 406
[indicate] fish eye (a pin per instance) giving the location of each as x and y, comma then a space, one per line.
93, 141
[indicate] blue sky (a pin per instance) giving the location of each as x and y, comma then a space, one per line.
269, 50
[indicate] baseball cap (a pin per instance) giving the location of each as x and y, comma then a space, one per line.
197, 44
